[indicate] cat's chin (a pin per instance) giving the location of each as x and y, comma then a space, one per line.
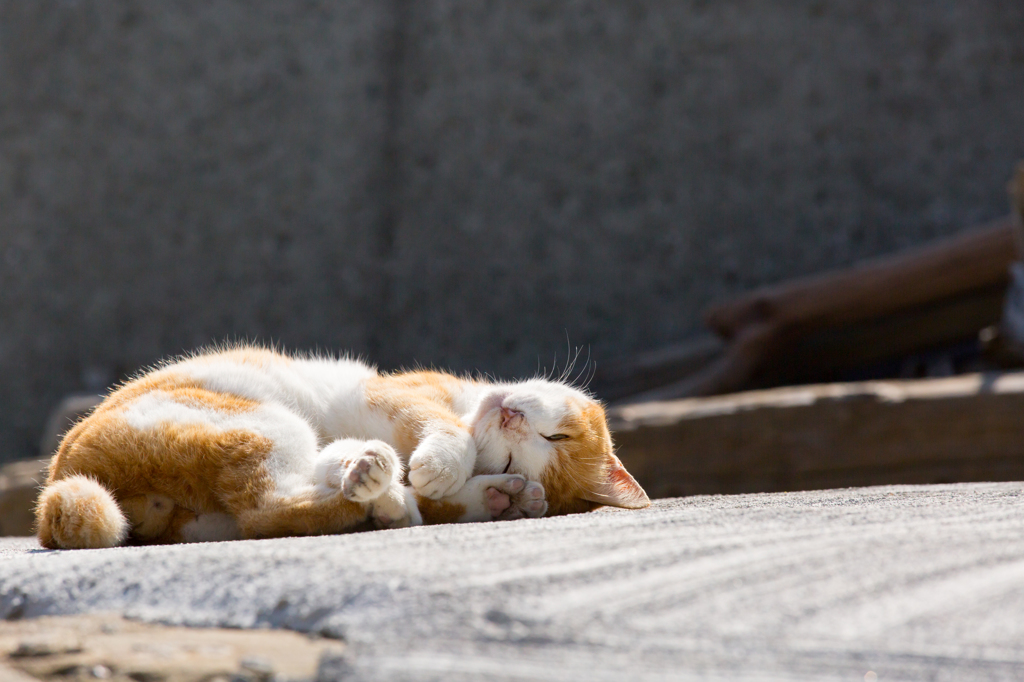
505, 466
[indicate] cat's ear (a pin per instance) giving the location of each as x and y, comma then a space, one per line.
618, 489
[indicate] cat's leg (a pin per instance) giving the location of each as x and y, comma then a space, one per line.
303, 513
353, 484
487, 498
422, 425
369, 472
312, 513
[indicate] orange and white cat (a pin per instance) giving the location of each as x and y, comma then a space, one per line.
250, 443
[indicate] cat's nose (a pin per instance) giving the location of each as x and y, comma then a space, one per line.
510, 416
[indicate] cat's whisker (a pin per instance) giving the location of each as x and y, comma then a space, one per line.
586, 369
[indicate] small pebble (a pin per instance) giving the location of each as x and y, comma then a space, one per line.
100, 672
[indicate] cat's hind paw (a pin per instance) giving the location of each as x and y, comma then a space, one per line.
441, 465
369, 476
362, 471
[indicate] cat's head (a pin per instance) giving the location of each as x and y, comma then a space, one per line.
558, 436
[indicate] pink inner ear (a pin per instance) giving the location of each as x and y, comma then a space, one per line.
619, 489
627, 492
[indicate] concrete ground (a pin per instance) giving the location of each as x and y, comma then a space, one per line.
910, 583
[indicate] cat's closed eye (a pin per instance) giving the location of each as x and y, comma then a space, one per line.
557, 436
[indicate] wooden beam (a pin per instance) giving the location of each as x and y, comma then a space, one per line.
965, 428
825, 355
977, 259
19, 487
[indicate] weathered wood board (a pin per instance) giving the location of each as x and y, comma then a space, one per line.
965, 428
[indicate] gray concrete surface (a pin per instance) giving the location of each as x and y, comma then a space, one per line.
465, 183
912, 583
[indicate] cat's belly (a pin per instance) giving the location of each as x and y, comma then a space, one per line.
211, 528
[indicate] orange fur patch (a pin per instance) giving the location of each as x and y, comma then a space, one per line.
198, 467
194, 468
582, 461
439, 511
414, 400
162, 380
302, 515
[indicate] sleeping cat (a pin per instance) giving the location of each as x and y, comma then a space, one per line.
250, 443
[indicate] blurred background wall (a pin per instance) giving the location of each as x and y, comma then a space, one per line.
462, 183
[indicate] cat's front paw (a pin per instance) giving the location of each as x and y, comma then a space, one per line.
364, 472
516, 499
436, 479
440, 466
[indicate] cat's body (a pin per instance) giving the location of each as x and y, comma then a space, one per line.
252, 443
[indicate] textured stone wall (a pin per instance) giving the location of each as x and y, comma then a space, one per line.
463, 183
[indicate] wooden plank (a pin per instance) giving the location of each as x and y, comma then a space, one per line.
767, 327
828, 354
763, 357
19, 487
977, 259
966, 428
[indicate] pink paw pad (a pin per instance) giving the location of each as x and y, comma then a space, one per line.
497, 501
366, 477
359, 470
357, 476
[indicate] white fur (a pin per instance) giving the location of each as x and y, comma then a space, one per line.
327, 392
396, 508
543, 403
